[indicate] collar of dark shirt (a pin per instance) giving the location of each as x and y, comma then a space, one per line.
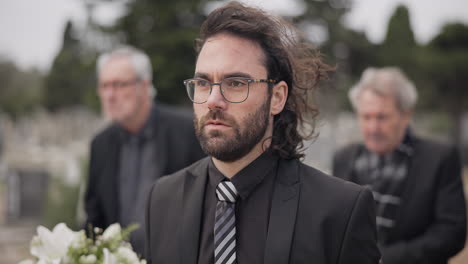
145, 133
405, 149
249, 177
407, 145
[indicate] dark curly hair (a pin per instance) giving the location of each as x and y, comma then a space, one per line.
288, 57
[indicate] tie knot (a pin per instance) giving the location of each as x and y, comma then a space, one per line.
226, 192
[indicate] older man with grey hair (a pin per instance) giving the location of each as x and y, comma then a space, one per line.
417, 187
144, 141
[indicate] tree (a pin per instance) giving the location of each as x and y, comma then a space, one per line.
399, 47
446, 66
322, 22
399, 30
20, 91
70, 81
166, 31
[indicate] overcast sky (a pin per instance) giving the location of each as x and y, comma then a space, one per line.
31, 30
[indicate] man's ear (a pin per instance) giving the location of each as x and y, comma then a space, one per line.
407, 115
278, 97
146, 85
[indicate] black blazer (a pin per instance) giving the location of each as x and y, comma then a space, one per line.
177, 147
314, 218
430, 226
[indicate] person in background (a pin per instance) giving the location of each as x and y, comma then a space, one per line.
144, 141
252, 200
416, 182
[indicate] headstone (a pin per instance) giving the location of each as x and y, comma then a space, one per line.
26, 194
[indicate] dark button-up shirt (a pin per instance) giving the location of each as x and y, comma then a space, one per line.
136, 174
254, 185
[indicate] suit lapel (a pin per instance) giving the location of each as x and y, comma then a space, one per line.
193, 194
417, 167
111, 170
348, 166
283, 213
161, 130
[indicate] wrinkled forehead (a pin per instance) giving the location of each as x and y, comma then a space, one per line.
371, 100
117, 67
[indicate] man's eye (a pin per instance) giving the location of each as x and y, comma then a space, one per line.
382, 117
236, 83
201, 83
118, 84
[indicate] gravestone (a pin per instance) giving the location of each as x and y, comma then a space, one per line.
26, 191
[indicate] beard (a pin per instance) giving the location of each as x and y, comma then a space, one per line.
247, 135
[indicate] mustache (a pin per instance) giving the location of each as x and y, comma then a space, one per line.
217, 115
376, 136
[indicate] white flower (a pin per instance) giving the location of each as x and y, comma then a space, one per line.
126, 255
89, 259
49, 246
27, 261
79, 240
112, 232
109, 258
46, 261
63, 246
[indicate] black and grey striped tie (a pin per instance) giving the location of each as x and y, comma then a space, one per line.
225, 224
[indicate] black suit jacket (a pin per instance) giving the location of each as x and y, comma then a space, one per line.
314, 218
430, 225
176, 147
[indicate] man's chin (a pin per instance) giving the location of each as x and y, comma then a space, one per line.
216, 134
378, 149
111, 117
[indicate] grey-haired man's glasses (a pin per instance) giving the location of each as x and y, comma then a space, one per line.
233, 89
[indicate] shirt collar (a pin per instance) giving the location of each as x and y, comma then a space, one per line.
249, 177
406, 148
146, 132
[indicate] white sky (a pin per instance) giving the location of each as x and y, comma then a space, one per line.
31, 30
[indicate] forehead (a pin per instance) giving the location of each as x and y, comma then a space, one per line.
117, 67
369, 102
226, 53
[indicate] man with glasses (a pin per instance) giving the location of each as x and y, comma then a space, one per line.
144, 141
252, 200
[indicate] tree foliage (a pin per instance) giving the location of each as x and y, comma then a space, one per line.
399, 47
166, 30
446, 66
399, 32
20, 91
70, 81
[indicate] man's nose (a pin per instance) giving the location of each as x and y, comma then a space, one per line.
372, 125
108, 92
216, 99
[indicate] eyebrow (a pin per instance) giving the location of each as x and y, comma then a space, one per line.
224, 76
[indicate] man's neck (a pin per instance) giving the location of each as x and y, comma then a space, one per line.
229, 169
136, 124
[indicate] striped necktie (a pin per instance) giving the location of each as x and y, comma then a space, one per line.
225, 224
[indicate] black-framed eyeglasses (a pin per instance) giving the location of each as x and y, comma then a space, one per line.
118, 84
233, 89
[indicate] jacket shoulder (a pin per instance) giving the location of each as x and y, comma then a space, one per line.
424, 145
347, 150
107, 132
180, 121
317, 179
168, 112
174, 180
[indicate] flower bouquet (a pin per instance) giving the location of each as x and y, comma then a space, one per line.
64, 246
